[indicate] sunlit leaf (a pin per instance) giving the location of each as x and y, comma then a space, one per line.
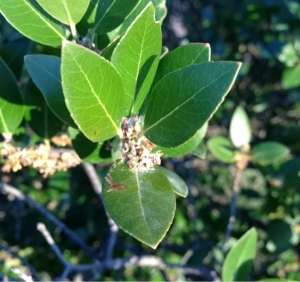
66, 11
238, 262
31, 20
94, 92
137, 55
240, 128
221, 148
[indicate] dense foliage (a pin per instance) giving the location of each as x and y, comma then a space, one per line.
238, 217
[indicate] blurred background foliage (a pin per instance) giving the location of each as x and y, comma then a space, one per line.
264, 35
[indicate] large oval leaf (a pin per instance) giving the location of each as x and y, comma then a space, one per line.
144, 204
221, 148
240, 128
111, 13
269, 152
45, 73
93, 91
31, 20
38, 115
66, 11
238, 262
185, 148
137, 55
87, 150
11, 104
184, 100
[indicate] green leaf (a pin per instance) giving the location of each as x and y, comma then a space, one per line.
190, 54
13, 52
31, 20
66, 11
185, 148
38, 115
137, 55
290, 77
145, 206
88, 19
87, 150
221, 148
178, 185
160, 13
240, 128
11, 104
45, 73
238, 262
94, 92
200, 150
111, 13
184, 100
268, 152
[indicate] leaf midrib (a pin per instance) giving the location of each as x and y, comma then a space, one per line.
99, 21
186, 101
49, 25
95, 95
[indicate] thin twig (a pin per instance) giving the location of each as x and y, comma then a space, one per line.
8, 189
68, 266
113, 228
232, 218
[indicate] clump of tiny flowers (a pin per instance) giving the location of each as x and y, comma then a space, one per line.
136, 148
40, 157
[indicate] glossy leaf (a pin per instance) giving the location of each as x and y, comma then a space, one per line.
240, 128
268, 152
87, 150
38, 115
31, 20
200, 150
111, 13
144, 204
160, 13
137, 55
238, 262
221, 148
11, 104
66, 11
184, 100
190, 54
185, 148
93, 91
178, 185
45, 73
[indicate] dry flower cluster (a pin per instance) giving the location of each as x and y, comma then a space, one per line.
40, 157
136, 148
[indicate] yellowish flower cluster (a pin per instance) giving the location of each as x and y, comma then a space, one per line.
40, 157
